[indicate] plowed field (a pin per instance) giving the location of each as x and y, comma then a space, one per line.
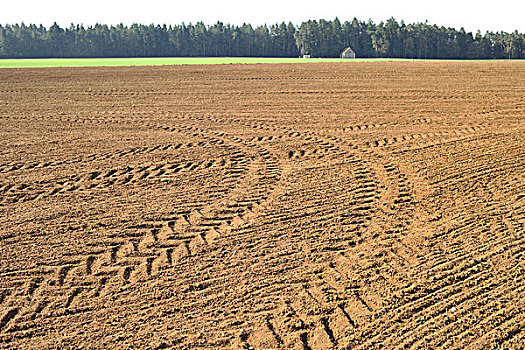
306, 206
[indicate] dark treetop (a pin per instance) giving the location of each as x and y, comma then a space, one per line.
316, 38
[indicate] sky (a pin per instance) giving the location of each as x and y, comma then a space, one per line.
495, 15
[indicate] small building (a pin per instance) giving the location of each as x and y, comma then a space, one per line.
348, 53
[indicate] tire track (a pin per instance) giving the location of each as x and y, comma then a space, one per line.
164, 243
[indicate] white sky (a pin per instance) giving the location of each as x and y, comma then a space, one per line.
494, 15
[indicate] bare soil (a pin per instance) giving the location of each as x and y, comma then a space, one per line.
307, 206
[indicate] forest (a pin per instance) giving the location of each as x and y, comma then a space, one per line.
318, 38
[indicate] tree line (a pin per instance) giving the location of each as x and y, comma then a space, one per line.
318, 38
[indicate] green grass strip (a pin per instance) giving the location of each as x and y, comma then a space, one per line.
161, 61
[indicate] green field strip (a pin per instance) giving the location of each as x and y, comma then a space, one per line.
162, 61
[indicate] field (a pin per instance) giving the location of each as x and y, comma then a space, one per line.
376, 205
163, 61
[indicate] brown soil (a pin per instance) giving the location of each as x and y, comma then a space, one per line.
315, 206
